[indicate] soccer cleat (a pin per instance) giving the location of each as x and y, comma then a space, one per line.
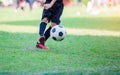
41, 46
42, 43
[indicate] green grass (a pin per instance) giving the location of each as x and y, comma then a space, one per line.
76, 55
89, 54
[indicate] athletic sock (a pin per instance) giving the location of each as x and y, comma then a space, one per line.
42, 28
47, 33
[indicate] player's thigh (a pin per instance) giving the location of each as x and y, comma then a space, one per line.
46, 15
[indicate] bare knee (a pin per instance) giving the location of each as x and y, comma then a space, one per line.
45, 20
53, 24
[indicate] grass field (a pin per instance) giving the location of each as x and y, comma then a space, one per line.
76, 55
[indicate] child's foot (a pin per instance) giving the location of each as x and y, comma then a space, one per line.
42, 43
41, 46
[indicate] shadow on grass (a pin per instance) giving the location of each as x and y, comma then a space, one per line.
110, 23
26, 22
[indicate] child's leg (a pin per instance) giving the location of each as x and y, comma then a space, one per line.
41, 33
43, 26
47, 33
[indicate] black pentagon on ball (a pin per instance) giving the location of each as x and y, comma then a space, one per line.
54, 38
53, 30
60, 33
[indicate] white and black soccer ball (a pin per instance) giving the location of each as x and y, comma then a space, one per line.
58, 33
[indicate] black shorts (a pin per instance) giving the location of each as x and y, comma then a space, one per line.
54, 13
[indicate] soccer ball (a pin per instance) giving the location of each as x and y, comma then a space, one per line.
58, 33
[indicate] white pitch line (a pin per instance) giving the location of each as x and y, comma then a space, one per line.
73, 31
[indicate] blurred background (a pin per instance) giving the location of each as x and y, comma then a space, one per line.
92, 6
79, 10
